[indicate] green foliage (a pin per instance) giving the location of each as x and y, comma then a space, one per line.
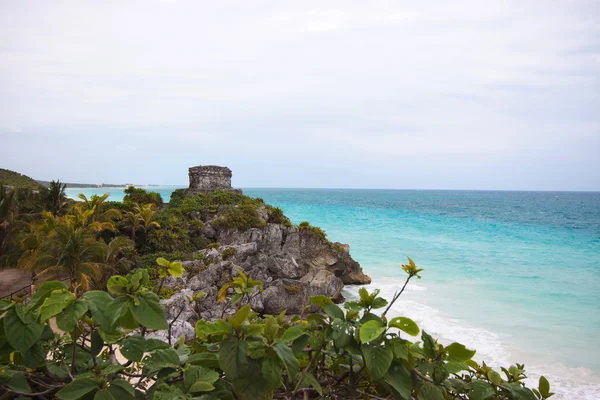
240, 217
230, 252
140, 196
245, 356
305, 226
276, 216
16, 180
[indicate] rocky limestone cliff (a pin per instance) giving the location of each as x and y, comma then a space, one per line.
293, 262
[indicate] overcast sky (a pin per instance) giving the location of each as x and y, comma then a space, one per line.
359, 94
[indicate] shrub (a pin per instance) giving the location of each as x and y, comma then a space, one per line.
241, 217
276, 216
213, 245
229, 252
305, 226
338, 354
141, 196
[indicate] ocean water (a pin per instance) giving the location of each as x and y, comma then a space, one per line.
515, 275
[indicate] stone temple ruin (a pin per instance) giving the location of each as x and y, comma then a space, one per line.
208, 178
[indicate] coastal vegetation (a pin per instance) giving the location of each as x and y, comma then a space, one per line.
92, 327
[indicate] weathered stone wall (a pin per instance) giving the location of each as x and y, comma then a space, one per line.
208, 178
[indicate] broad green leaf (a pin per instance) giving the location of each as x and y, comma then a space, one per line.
371, 331
149, 312
290, 361
193, 374
241, 316
300, 344
77, 389
176, 269
209, 360
161, 358
481, 390
16, 382
342, 333
292, 333
116, 309
544, 387
379, 302
429, 346
399, 378
67, 320
219, 327
98, 302
364, 295
378, 360
163, 262
458, 352
6, 304
35, 356
153, 344
201, 386
232, 357
133, 347
312, 381
321, 300
97, 343
118, 284
405, 324
334, 311
19, 335
430, 392
271, 372
121, 389
104, 394
494, 377
58, 300
43, 292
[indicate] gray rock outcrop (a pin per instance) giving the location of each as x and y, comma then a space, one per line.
209, 178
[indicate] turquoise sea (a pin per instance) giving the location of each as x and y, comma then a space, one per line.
515, 275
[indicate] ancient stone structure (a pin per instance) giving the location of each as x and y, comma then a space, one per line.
208, 178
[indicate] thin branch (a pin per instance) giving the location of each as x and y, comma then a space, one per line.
396, 295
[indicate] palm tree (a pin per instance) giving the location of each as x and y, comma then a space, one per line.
140, 220
93, 211
70, 251
116, 260
54, 198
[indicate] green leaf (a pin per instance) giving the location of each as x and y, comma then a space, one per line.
334, 311
429, 346
342, 333
163, 262
17, 382
97, 343
378, 360
121, 389
98, 302
117, 309
77, 389
67, 320
19, 335
209, 360
6, 304
232, 357
59, 300
312, 381
35, 356
481, 390
300, 344
201, 386
494, 377
399, 378
544, 387
118, 285
103, 394
176, 269
290, 361
371, 330
364, 295
292, 333
43, 292
321, 300
406, 325
458, 352
149, 312
161, 358
133, 347
430, 392
241, 316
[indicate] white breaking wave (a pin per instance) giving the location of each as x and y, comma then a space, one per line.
568, 383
